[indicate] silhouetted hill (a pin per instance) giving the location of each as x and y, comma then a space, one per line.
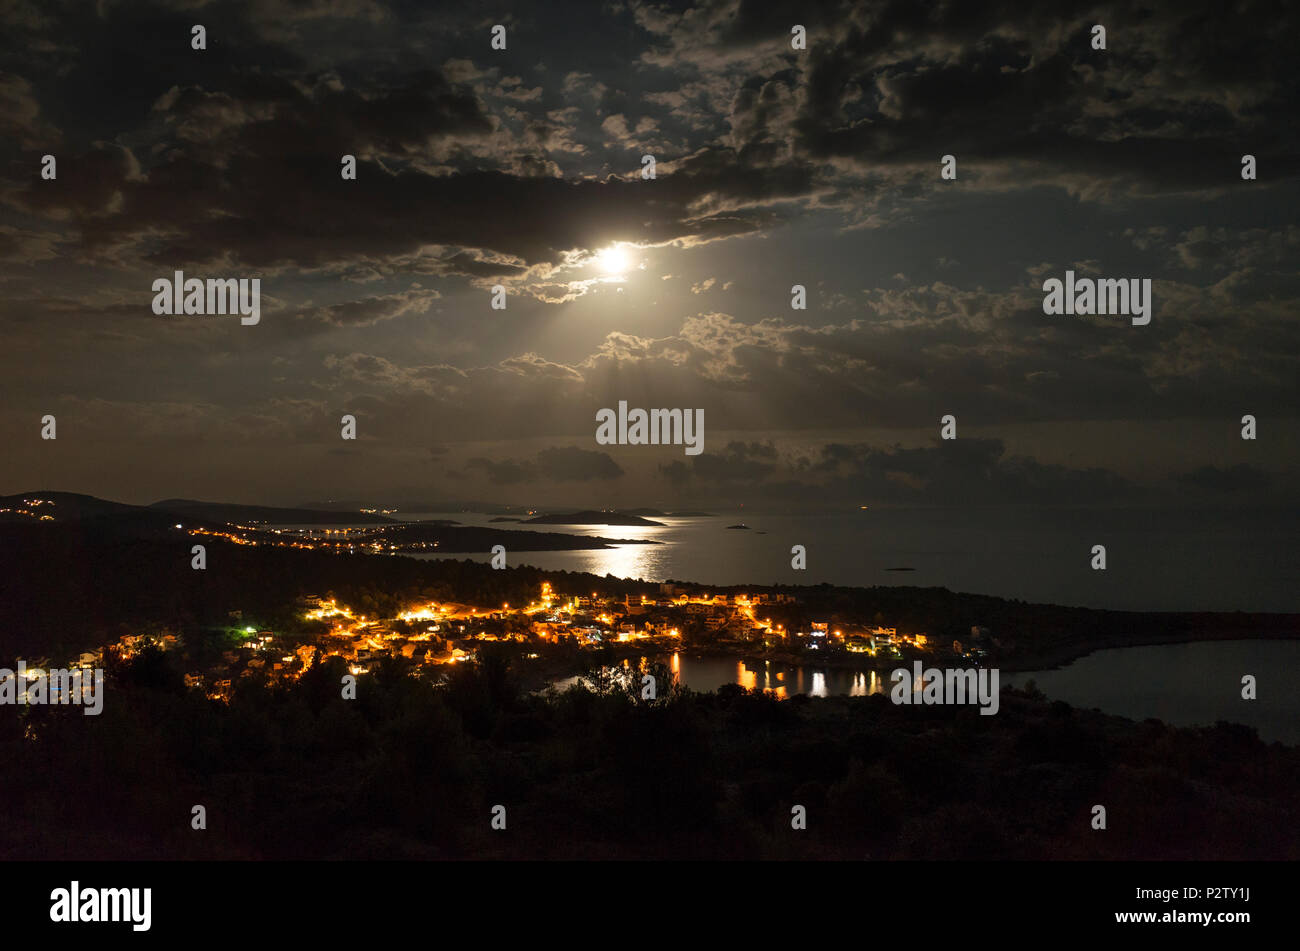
67, 506
310, 775
468, 539
61, 506
589, 517
233, 512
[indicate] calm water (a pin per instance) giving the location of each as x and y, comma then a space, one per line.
1156, 562
1185, 684
784, 680
1182, 684
709, 673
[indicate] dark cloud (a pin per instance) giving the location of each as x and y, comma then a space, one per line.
570, 464
558, 464
774, 167
503, 472
738, 462
1238, 478
959, 472
373, 309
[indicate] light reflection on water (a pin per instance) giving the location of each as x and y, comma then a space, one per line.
1191, 684
988, 552
707, 674
651, 562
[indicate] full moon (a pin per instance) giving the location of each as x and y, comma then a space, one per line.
613, 260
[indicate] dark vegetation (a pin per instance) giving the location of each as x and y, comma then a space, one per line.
412, 770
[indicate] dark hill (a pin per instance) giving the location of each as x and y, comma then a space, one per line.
231, 512
62, 506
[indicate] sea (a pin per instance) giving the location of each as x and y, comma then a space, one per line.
1216, 561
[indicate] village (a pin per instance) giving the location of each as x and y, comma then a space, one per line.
433, 635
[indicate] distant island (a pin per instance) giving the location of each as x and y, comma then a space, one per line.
505, 518
742, 525
655, 513
421, 536
590, 517
257, 525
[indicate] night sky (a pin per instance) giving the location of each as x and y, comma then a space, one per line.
774, 167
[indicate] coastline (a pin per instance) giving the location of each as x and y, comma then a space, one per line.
1057, 656
1020, 662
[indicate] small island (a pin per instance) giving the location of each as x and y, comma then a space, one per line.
590, 517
